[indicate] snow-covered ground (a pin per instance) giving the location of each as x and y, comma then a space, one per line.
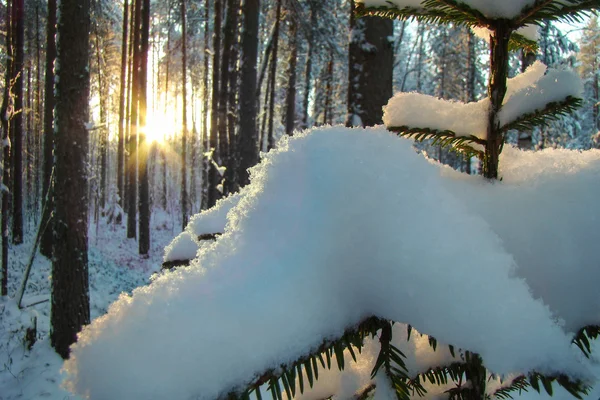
115, 267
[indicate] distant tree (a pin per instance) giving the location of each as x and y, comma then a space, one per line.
122, 116
184, 130
18, 28
144, 146
248, 129
70, 287
371, 62
48, 165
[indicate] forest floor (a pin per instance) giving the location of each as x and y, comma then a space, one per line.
114, 267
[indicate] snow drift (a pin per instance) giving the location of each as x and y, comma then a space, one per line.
339, 224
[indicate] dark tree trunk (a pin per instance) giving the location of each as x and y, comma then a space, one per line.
273, 78
309, 63
184, 193
376, 78
327, 117
5, 115
290, 100
128, 104
144, 147
103, 128
70, 292
121, 139
205, 133
496, 91
213, 174
371, 69
470, 84
248, 134
17, 124
133, 123
231, 184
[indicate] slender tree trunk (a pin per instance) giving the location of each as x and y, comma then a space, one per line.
496, 91
273, 78
327, 117
38, 105
144, 147
231, 184
47, 196
128, 104
184, 192
17, 124
123, 88
229, 31
470, 84
290, 101
248, 133
70, 290
205, 107
5, 116
103, 129
309, 63
134, 123
213, 174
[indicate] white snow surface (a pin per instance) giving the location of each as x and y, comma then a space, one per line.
339, 224
417, 110
489, 8
555, 86
532, 90
528, 31
213, 220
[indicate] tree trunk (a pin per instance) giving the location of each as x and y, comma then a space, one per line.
213, 174
309, 62
133, 123
184, 193
496, 91
273, 78
17, 124
231, 184
121, 139
205, 133
5, 115
290, 100
371, 69
144, 147
70, 292
248, 133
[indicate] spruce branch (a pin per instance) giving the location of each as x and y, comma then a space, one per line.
583, 336
551, 112
569, 11
433, 11
284, 379
445, 138
518, 41
516, 386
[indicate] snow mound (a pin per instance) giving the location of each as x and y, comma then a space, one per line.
339, 224
213, 220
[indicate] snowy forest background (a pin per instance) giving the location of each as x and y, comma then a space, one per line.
179, 111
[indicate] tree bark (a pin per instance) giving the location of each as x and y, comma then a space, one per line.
133, 123
205, 133
309, 63
213, 174
290, 100
248, 133
18, 10
123, 88
184, 193
70, 291
5, 115
496, 91
144, 146
47, 199
273, 78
